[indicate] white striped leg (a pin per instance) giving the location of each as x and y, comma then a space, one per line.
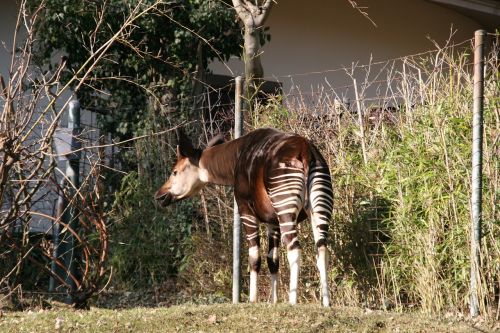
323, 274
253, 256
321, 256
286, 192
273, 236
294, 262
251, 226
274, 288
321, 199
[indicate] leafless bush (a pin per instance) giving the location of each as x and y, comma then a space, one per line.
34, 102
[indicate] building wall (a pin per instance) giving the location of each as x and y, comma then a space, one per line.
330, 34
46, 198
325, 34
8, 17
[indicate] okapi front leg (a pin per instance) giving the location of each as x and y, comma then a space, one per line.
273, 237
251, 226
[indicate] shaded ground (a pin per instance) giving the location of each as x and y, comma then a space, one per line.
231, 318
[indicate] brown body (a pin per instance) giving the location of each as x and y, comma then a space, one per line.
256, 158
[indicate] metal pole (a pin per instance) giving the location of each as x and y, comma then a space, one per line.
477, 162
72, 172
238, 116
238, 131
64, 243
56, 231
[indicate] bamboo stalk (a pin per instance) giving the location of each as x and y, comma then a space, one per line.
361, 123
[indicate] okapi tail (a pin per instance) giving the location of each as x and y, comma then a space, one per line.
320, 196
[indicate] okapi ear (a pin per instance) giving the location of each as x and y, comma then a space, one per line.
186, 148
216, 140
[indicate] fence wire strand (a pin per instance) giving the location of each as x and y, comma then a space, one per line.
327, 115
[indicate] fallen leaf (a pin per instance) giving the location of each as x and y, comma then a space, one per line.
212, 319
58, 324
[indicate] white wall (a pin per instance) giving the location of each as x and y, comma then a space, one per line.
330, 34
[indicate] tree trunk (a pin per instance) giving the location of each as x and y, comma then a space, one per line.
253, 14
254, 71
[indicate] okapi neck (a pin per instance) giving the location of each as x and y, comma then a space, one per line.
219, 162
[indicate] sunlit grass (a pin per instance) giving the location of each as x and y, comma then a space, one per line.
228, 318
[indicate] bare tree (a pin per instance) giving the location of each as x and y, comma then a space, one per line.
253, 15
32, 102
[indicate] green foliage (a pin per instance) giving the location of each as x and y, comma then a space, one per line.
134, 89
25, 272
148, 245
421, 175
155, 61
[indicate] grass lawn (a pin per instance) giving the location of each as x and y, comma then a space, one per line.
231, 318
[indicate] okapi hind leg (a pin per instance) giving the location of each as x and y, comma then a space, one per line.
273, 237
321, 262
320, 213
286, 191
321, 257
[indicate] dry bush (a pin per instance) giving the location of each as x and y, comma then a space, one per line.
400, 232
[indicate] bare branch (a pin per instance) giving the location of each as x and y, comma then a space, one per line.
362, 11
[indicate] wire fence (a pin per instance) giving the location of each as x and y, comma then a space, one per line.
381, 126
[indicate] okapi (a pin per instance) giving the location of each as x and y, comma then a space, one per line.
279, 179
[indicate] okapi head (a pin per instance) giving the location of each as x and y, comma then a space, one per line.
187, 177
